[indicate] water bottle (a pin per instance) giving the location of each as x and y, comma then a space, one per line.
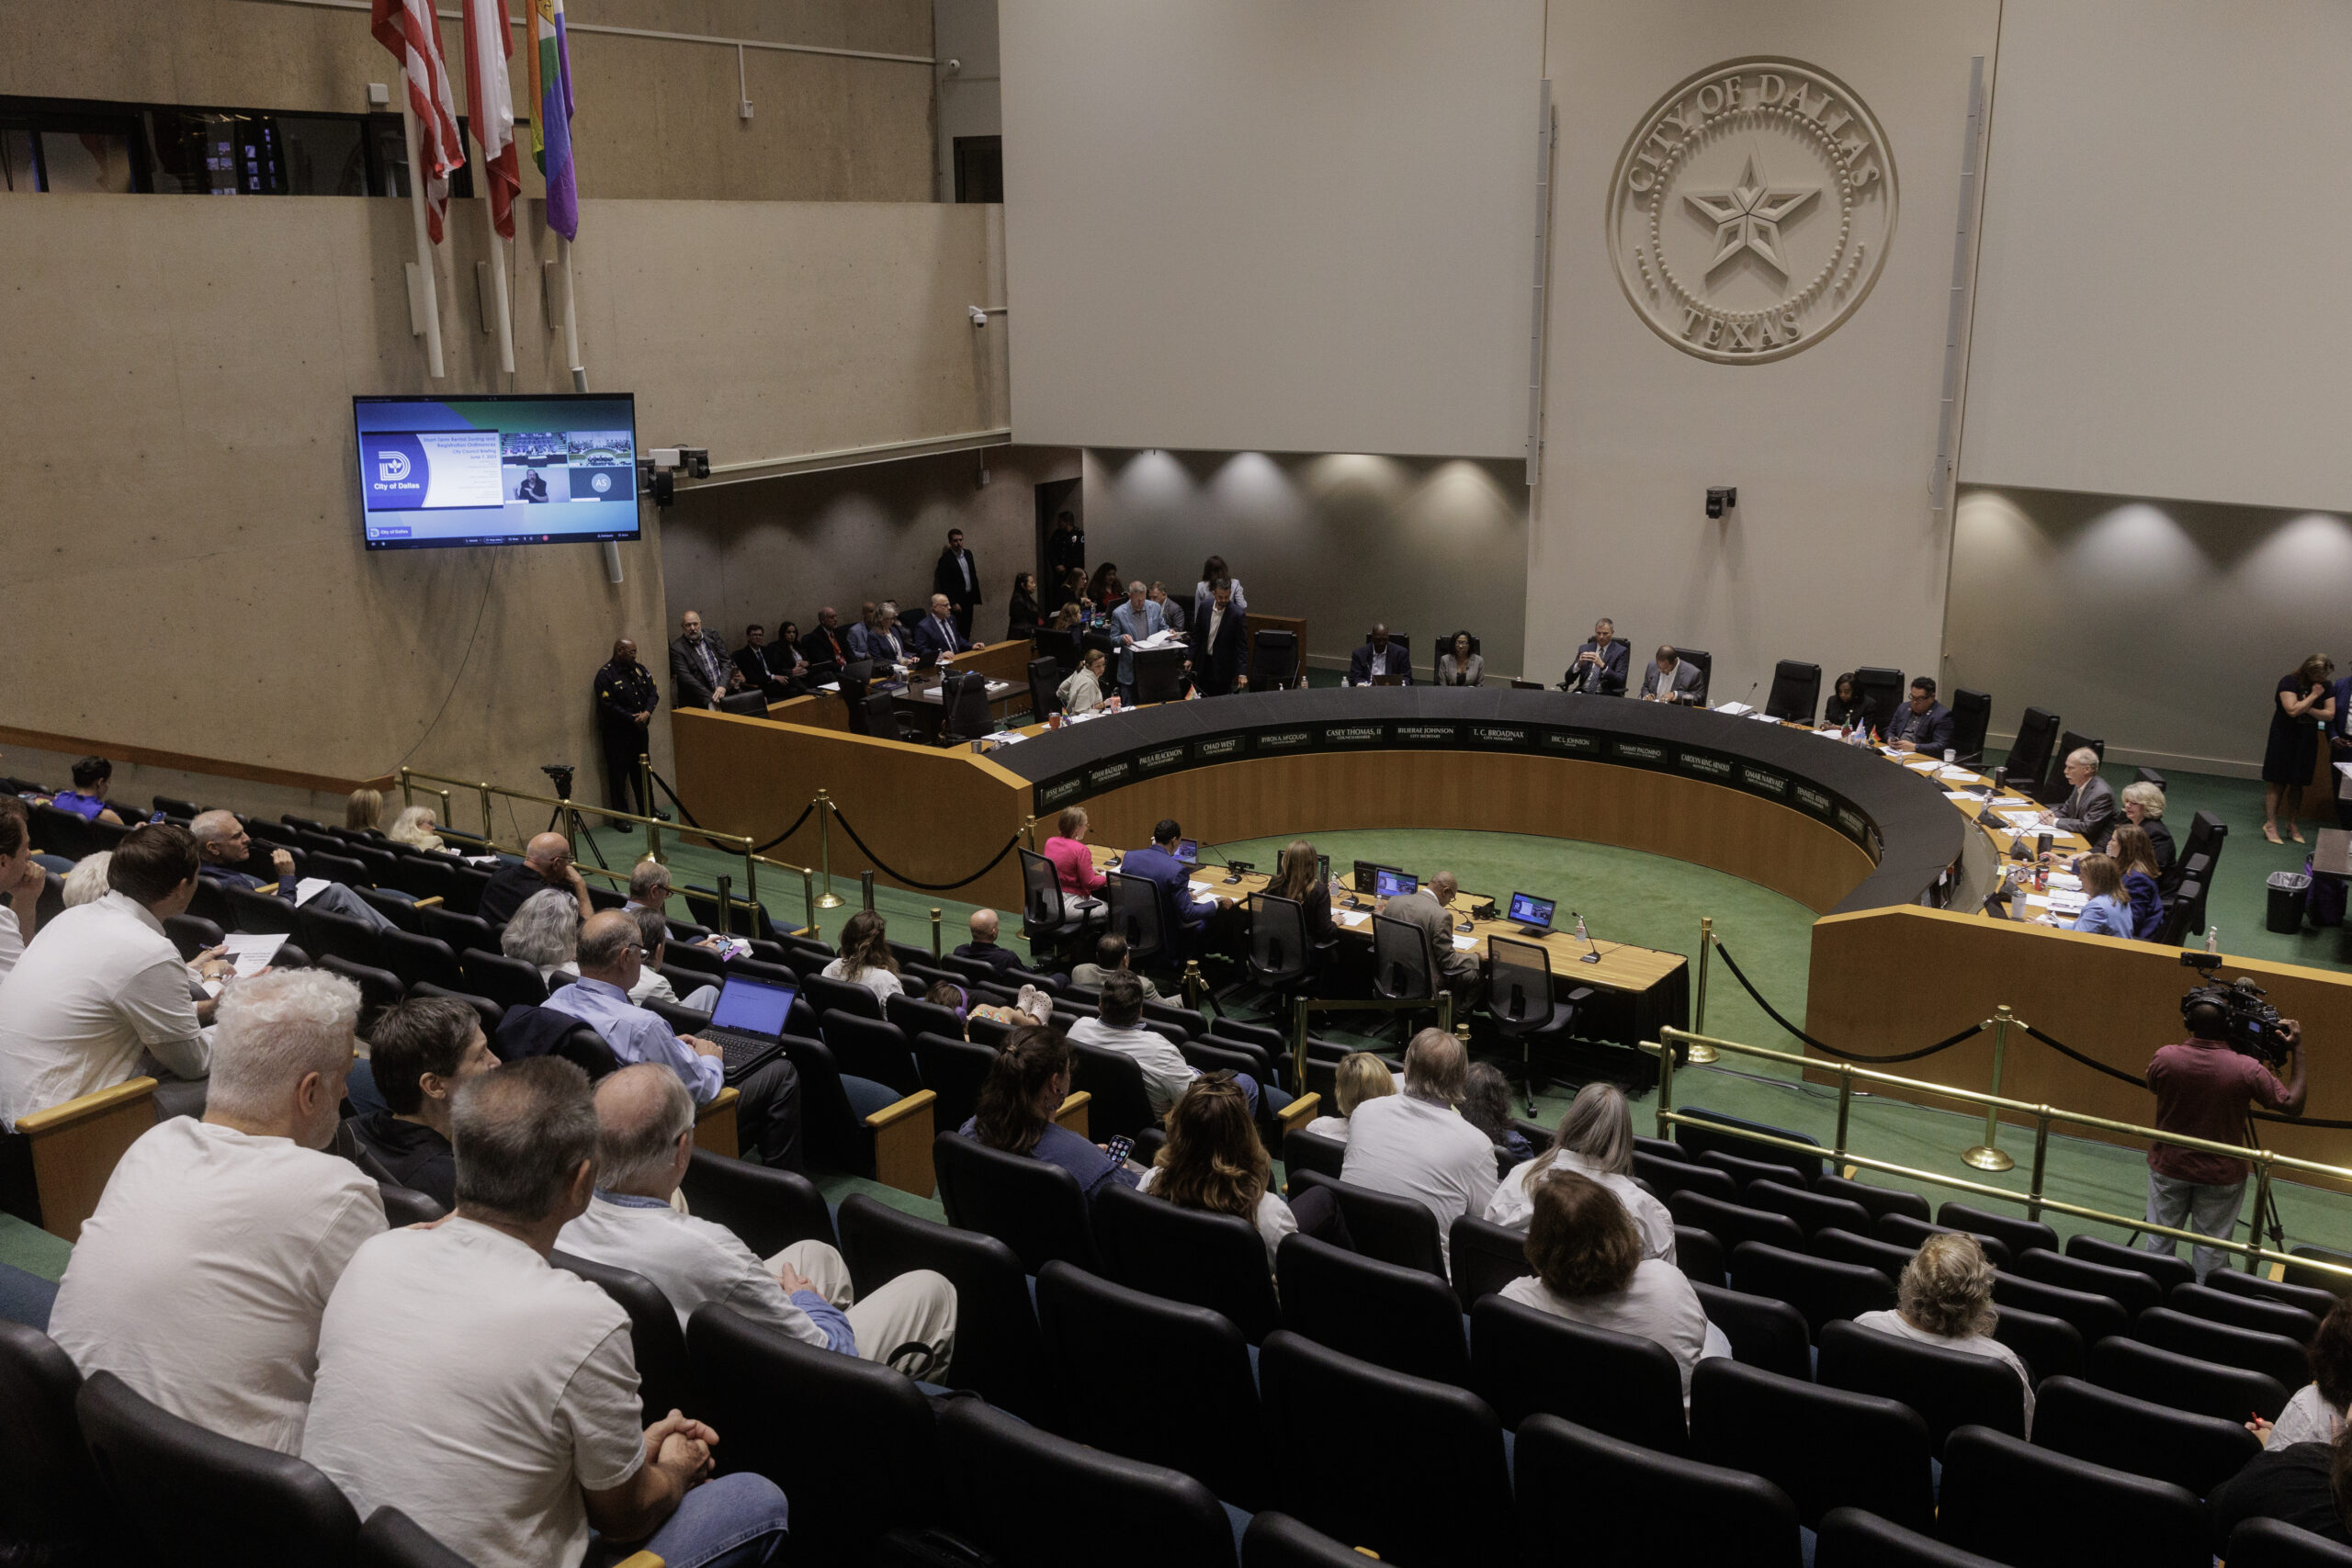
2212, 939
1580, 931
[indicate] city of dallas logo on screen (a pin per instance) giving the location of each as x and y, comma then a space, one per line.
1751, 211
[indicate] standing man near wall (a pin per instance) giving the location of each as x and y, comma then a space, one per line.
626, 698
700, 671
957, 575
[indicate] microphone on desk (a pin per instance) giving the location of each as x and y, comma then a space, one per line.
1586, 937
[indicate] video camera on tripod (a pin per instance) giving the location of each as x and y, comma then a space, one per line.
2251, 1024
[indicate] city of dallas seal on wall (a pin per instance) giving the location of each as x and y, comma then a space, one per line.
1752, 210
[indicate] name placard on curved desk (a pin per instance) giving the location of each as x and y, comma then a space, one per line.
1900, 821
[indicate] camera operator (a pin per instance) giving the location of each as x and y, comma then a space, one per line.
2204, 1087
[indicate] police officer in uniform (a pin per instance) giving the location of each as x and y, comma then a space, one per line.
626, 698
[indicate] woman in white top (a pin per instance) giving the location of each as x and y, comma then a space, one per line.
2316, 1413
1946, 1297
1213, 1161
1590, 1267
1595, 1140
1361, 1076
1082, 693
865, 957
544, 932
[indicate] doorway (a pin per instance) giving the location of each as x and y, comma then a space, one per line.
1054, 498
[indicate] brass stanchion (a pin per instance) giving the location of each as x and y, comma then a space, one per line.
1701, 1054
726, 904
1197, 985
1988, 1156
809, 895
935, 930
828, 899
866, 889
645, 800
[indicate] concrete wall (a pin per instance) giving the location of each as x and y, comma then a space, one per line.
654, 117
971, 95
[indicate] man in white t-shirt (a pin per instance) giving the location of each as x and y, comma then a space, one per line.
645, 1142
202, 1277
493, 1398
1415, 1144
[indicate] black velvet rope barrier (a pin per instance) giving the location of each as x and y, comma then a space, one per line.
763, 849
910, 882
1774, 1014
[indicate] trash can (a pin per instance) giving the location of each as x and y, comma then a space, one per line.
2290, 892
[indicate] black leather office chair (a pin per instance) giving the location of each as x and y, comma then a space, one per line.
1971, 716
964, 707
1402, 967
2192, 1451
1634, 1504
1526, 1363
1135, 914
1160, 675
1045, 689
1706, 663
1034, 1207
1826, 1448
1883, 689
2010, 1501
1217, 1262
2055, 788
1273, 659
1047, 923
1520, 1003
1796, 692
1405, 1319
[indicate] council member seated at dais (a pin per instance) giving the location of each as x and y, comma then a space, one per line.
1600, 662
1674, 679
1922, 724
1380, 659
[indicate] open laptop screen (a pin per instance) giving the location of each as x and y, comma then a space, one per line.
755, 1007
1388, 884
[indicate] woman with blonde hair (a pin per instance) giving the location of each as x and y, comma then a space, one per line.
2144, 803
413, 826
2104, 912
1082, 693
1212, 1160
1945, 1298
365, 810
1595, 1140
1590, 1269
1299, 877
1361, 1076
865, 958
1073, 863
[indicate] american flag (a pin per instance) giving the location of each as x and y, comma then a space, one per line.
490, 39
409, 29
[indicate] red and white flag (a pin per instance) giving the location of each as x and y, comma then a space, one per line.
409, 29
490, 40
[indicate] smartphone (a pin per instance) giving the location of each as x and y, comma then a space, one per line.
1120, 1147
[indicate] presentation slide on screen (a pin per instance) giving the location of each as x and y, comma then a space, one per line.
496, 470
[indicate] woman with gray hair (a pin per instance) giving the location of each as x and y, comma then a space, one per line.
414, 828
2144, 803
544, 932
1595, 1140
87, 883
1946, 1299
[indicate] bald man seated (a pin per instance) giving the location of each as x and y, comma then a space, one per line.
645, 1140
223, 846
983, 945
1428, 908
545, 862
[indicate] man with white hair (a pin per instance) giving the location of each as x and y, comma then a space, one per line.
225, 846
645, 1140
545, 862
1417, 1146
937, 632
1136, 619
202, 1277
2089, 808
701, 674
493, 1398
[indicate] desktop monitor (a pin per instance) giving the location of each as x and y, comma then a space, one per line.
1366, 874
1533, 912
1389, 883
1323, 870
753, 1006
1189, 851
552, 467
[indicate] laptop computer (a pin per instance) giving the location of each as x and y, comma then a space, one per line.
1389, 883
1189, 851
1533, 914
748, 1024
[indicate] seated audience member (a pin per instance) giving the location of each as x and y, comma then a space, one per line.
1674, 679
1600, 663
363, 812
1457, 666
419, 1052
1214, 1161
1212, 572
2135, 857
1430, 907
1111, 958
87, 883
1485, 1105
21, 881
700, 672
1159, 864
201, 1279
865, 958
2143, 806
1945, 1298
223, 846
1379, 659
1133, 620
1850, 706
2315, 1413
1173, 613
1021, 615
1034, 1008
650, 886
1073, 863
1082, 691
1922, 724
2090, 808
1590, 1267
937, 632
545, 932
645, 1139
1415, 1144
1069, 617
827, 646
1299, 876
1120, 1028
87, 798
493, 1398
1019, 1098
876, 636
612, 956
2104, 912
1360, 1075
983, 945
105, 983
2305, 1485
414, 827
545, 862
1220, 642
774, 673
653, 932
787, 645
1595, 1140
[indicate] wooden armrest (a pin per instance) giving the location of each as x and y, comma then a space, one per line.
640, 1559
903, 1133
891, 1114
268, 887
421, 903
76, 1145
1299, 1112
715, 1124
1072, 1114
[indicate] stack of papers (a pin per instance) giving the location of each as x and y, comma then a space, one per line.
1464, 943
310, 887
2026, 821
1960, 774
1735, 709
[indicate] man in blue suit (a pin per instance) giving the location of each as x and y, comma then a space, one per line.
1379, 658
1159, 866
1600, 663
937, 632
1922, 724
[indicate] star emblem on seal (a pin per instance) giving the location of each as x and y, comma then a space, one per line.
1749, 216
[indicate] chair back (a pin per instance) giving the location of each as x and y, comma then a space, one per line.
1121, 1106
1061, 648
2029, 751
1526, 1363
407, 1206
1856, 1538
1041, 896
2192, 1451
664, 1380
1160, 675
52, 1498
426, 875
1728, 1134
326, 934
1485, 1256
378, 988
2274, 1543
392, 1540
826, 995
1402, 969
1876, 1200
2016, 1503
196, 1495
1634, 1504
1135, 914
954, 1069
1846, 1246
1273, 658
2273, 1355
1034, 1207
870, 1049
1824, 1290
1705, 663
1733, 1223
2019, 1232
1392, 1229
1274, 1539
259, 914
1306, 1151
1950, 1389
192, 934
2127, 1288
419, 958
509, 982
1814, 1211
964, 706
2184, 1381
462, 933
2262, 1288
1971, 715
1212, 1260
1826, 1448
1882, 688
1045, 687
489, 1011
1667, 1177
1796, 692
1519, 985
1763, 1333
881, 712
1401, 1318
1701, 1258
2049, 1346
766, 1208
1279, 952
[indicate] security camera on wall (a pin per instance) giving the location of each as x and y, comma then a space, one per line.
1722, 498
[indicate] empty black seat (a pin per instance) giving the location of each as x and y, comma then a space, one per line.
768, 1209
2184, 1383
1845, 1246
2274, 1355
1821, 1288
2244, 1311
463, 932
1403, 1318
2094, 1316
1486, 1257
2196, 1453
1703, 1259
2015, 1229
1624, 1503
419, 959
52, 1502
1810, 1210
2050, 1347
2317, 1302
1667, 1177
1877, 1200
1733, 1223
509, 982
1212, 1260
2319, 1273
1729, 1135
1826, 1448
1950, 1389
1905, 1231
1763, 1332
2274, 1543
1032, 1206
2033, 1508
2134, 1292
1526, 1361
2164, 1268
1852, 1537
870, 1049
1796, 692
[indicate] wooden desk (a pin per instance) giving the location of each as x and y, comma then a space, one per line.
1006, 662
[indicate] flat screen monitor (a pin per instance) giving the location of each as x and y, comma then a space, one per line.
1367, 874
1323, 869
1389, 883
495, 470
753, 1007
1530, 911
1189, 851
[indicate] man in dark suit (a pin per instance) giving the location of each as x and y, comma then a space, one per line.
1922, 724
1220, 645
937, 632
1674, 679
1379, 657
1065, 547
700, 672
1159, 866
828, 643
626, 698
1600, 663
957, 575
774, 672
2091, 809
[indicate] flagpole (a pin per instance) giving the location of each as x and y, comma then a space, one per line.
424, 241
498, 276
571, 319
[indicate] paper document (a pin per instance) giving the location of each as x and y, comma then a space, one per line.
310, 887
1200, 889
1464, 943
1964, 795
2023, 822
1352, 918
1735, 709
1962, 774
830, 686
252, 952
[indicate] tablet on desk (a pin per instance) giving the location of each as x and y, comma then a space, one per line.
1533, 914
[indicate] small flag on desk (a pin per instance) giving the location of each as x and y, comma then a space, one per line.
489, 93
551, 62
411, 30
